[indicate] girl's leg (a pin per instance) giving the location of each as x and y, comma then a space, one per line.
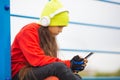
57, 69
54, 69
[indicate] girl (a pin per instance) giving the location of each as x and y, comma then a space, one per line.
34, 50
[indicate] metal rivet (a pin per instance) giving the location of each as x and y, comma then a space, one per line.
6, 7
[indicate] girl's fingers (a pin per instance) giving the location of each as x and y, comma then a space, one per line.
85, 61
84, 64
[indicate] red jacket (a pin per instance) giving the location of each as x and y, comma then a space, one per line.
25, 49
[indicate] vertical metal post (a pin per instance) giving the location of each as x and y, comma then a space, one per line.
5, 66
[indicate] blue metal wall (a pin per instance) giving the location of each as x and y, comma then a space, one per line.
5, 73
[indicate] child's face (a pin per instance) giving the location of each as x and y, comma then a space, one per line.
55, 30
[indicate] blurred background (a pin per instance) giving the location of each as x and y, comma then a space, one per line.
94, 27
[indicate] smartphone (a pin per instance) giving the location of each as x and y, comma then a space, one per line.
91, 53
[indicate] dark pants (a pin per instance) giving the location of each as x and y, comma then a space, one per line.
57, 69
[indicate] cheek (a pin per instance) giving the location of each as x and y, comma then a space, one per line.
54, 31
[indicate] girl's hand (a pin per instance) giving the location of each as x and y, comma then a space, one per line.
78, 63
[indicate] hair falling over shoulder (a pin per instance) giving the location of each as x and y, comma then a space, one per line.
47, 42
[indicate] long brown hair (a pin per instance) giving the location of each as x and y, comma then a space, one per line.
47, 42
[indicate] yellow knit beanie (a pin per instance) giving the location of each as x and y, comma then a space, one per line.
54, 14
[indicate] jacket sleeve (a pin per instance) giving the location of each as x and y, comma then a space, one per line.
35, 56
